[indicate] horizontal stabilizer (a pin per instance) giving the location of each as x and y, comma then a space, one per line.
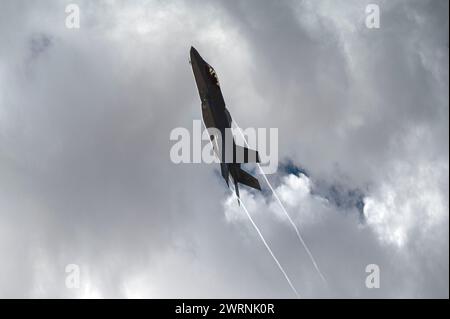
247, 179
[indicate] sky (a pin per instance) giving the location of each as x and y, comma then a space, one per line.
86, 176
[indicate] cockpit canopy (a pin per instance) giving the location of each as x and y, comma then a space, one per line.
212, 72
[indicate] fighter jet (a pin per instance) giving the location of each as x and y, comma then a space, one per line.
217, 119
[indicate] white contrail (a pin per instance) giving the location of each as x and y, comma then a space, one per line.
267, 246
261, 236
285, 212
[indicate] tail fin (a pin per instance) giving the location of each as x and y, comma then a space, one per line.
236, 189
243, 154
225, 172
247, 179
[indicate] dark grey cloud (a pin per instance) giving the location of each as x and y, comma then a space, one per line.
86, 178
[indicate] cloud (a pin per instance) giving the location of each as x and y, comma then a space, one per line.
398, 224
413, 200
86, 178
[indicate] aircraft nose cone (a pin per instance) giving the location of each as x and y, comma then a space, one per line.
194, 54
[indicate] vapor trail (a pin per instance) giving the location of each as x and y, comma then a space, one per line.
262, 237
267, 246
285, 212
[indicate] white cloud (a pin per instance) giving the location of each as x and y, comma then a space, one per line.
411, 200
85, 175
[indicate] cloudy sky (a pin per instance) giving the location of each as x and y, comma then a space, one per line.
86, 177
